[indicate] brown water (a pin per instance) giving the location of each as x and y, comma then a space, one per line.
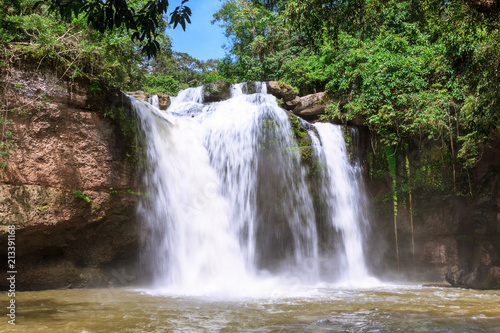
319, 309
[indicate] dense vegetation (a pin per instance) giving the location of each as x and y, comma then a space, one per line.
116, 54
407, 69
426, 69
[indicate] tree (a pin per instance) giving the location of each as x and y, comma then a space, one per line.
169, 73
408, 68
260, 43
143, 20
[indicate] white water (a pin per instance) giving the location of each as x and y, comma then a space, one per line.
227, 204
345, 201
154, 101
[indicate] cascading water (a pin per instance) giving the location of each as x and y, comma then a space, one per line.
252, 148
154, 101
346, 205
188, 231
226, 197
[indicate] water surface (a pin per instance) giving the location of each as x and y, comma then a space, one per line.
322, 308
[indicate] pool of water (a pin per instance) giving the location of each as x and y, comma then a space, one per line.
323, 308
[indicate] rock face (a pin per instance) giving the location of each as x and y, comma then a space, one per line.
456, 220
139, 94
67, 187
309, 106
294, 103
216, 91
481, 277
281, 91
163, 101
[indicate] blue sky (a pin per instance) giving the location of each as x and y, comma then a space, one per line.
201, 39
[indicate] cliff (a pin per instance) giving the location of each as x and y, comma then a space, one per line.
67, 184
447, 216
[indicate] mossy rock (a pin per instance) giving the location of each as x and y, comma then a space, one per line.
282, 90
250, 88
300, 133
216, 91
306, 155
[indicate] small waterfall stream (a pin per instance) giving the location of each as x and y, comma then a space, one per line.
227, 198
346, 206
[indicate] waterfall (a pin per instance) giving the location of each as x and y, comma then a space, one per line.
153, 100
346, 203
187, 222
227, 202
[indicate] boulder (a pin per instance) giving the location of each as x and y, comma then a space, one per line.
281, 91
139, 94
216, 91
480, 277
310, 105
293, 104
163, 101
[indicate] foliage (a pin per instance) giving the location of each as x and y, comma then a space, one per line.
259, 42
80, 195
170, 73
143, 20
160, 83
320, 20
422, 69
109, 58
398, 85
407, 69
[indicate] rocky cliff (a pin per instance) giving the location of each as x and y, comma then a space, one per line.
447, 217
67, 184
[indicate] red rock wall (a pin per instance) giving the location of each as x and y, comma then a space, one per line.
63, 147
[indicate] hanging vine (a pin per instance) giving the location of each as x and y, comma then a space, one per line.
391, 163
411, 204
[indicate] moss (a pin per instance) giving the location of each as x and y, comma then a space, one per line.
42, 209
306, 154
300, 134
284, 85
129, 130
304, 145
83, 196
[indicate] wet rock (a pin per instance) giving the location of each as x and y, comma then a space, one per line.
311, 105
250, 88
216, 91
281, 91
139, 94
481, 277
163, 101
